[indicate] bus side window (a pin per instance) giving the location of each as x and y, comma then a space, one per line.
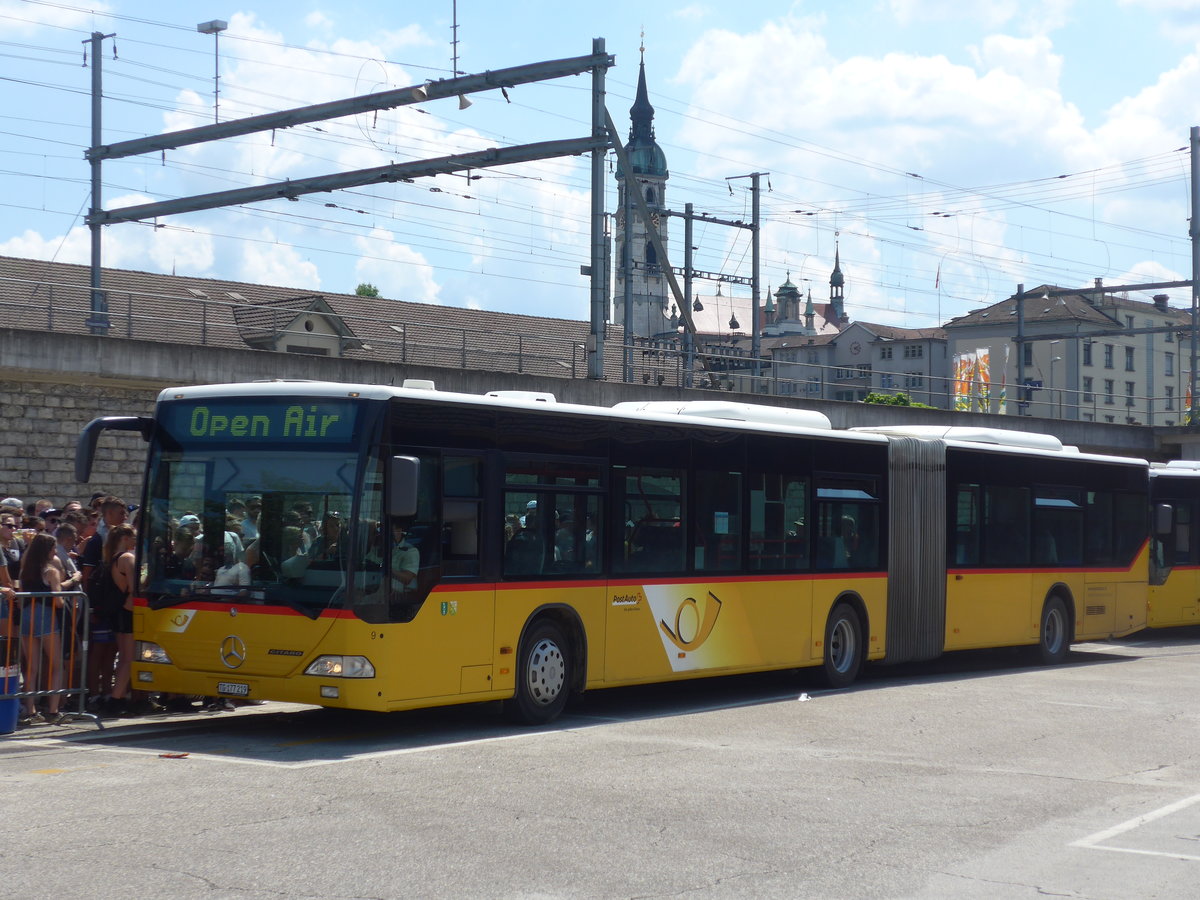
718, 497
965, 549
653, 536
1005, 526
778, 522
460, 515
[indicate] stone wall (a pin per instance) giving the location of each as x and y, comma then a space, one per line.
42, 418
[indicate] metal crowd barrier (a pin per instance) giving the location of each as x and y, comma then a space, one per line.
43, 656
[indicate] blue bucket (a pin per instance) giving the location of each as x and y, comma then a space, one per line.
10, 683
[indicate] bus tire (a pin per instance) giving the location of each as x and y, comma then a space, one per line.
543, 676
843, 646
1054, 639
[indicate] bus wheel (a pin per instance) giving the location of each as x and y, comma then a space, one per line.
1053, 640
543, 676
843, 646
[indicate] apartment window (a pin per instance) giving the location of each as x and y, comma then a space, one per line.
886, 380
1087, 353
1129, 393
812, 356
1128, 359
864, 370
913, 381
1027, 353
1170, 337
914, 352
1110, 419
1169, 363
885, 352
1089, 417
1088, 396
1108, 356
1129, 322
1170, 397
1108, 391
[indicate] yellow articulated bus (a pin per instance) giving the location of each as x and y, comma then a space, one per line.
1175, 564
389, 548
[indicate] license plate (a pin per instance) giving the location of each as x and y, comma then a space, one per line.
232, 687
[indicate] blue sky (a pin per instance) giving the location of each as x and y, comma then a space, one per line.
951, 150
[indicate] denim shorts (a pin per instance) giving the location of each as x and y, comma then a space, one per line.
39, 618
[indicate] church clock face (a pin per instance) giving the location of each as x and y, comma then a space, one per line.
856, 348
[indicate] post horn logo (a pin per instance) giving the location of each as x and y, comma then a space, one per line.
692, 627
233, 651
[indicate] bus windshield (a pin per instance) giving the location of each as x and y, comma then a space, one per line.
254, 526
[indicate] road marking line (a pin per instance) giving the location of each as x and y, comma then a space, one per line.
1094, 841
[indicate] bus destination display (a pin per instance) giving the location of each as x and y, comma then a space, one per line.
250, 421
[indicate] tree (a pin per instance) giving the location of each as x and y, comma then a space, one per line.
366, 289
897, 399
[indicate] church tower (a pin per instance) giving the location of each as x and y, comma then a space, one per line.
648, 287
837, 287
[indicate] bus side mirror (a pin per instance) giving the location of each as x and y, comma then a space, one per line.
1164, 519
404, 474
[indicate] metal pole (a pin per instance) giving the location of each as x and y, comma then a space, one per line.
216, 77
1021, 403
1194, 231
599, 294
98, 321
689, 339
755, 331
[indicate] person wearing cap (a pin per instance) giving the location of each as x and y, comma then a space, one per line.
52, 518
14, 503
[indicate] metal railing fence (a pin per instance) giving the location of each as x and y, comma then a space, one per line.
43, 654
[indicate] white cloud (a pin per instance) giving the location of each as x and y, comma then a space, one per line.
183, 250
399, 272
75, 248
1029, 59
266, 261
318, 21
902, 111
1156, 117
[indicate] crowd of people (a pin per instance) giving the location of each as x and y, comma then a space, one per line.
53, 555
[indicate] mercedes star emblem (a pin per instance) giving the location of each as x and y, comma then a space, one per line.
233, 651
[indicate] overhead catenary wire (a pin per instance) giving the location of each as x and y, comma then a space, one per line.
869, 218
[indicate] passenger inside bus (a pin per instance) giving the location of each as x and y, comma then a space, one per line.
525, 553
836, 551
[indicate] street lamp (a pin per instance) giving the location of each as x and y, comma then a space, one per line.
1053, 360
1052, 393
215, 27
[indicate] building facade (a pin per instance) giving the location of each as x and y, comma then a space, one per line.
1092, 356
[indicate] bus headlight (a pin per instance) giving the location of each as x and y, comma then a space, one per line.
341, 667
150, 652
